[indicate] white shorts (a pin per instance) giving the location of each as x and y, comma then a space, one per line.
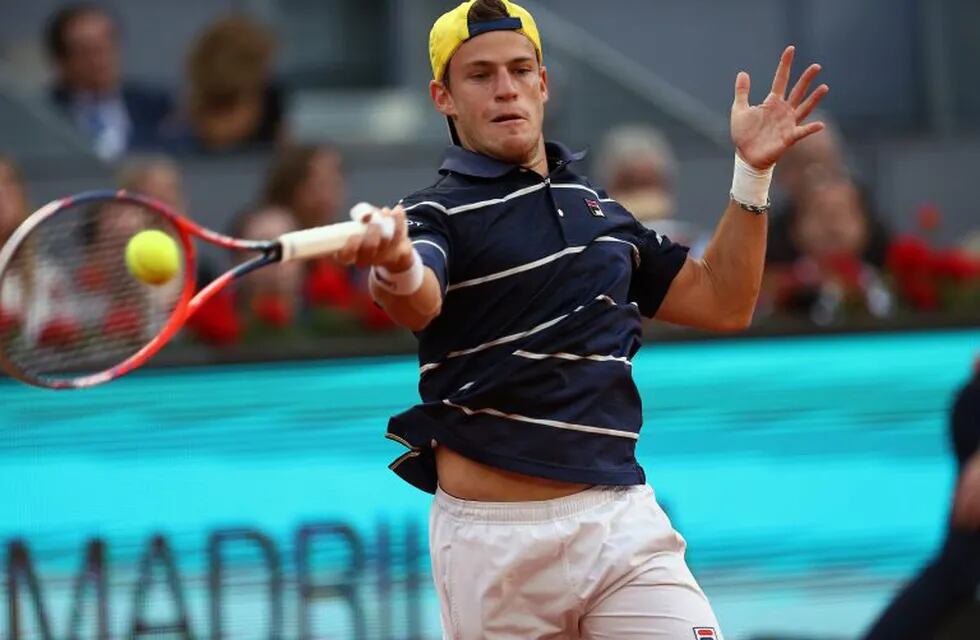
601, 564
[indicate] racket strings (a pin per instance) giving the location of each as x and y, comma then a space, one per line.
69, 305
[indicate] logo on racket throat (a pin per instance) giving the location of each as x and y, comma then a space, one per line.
594, 207
705, 633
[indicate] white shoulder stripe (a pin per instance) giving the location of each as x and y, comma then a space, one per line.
427, 203
636, 250
558, 424
488, 203
463, 208
441, 250
527, 266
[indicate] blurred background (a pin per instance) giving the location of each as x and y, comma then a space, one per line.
238, 487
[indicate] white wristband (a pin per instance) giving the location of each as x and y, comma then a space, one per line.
403, 283
750, 186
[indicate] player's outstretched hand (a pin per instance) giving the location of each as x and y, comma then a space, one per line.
762, 133
373, 249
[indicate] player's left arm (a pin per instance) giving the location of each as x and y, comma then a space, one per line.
719, 291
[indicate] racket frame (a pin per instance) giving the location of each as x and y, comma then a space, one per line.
187, 303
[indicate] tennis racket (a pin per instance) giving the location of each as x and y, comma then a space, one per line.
73, 316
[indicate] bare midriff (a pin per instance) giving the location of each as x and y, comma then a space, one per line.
467, 479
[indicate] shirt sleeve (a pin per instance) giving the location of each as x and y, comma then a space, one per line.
660, 260
429, 231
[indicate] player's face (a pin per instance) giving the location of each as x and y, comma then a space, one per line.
496, 95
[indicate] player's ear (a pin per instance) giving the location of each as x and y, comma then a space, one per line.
442, 99
544, 83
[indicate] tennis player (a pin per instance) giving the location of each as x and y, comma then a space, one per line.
527, 287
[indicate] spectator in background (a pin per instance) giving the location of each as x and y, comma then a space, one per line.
309, 181
271, 296
83, 43
816, 159
952, 578
156, 176
835, 251
639, 168
233, 101
13, 198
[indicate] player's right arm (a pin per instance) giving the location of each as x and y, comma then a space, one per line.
396, 255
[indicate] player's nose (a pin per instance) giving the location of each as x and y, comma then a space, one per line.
506, 87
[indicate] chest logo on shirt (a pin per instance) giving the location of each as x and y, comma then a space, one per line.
594, 207
705, 633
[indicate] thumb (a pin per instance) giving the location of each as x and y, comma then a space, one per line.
742, 86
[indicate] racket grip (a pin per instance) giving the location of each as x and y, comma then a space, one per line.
320, 241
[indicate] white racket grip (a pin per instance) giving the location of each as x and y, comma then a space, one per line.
320, 241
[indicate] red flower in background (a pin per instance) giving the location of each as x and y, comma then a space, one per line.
329, 284
122, 322
922, 293
8, 320
955, 264
908, 254
91, 278
929, 217
272, 310
376, 318
60, 333
217, 321
847, 267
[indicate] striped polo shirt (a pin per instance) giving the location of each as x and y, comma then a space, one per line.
546, 281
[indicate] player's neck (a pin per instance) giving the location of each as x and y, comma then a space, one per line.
538, 162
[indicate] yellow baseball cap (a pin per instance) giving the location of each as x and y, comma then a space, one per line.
453, 29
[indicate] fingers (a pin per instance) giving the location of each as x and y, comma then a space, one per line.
371, 247
807, 130
743, 83
804, 110
803, 85
781, 80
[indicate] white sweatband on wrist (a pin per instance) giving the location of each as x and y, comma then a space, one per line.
403, 283
750, 186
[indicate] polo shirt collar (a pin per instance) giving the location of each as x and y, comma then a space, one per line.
460, 160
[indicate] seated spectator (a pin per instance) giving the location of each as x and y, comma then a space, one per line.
309, 181
815, 159
836, 249
270, 297
156, 176
83, 43
233, 102
637, 167
13, 198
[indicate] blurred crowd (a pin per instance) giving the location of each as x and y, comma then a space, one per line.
230, 102
831, 256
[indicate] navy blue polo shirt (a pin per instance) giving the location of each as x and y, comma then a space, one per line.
546, 281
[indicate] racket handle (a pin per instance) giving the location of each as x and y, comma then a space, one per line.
320, 241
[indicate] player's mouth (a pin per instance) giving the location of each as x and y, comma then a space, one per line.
508, 118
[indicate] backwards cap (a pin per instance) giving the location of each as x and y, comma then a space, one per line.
453, 28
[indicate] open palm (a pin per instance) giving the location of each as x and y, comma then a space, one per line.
762, 133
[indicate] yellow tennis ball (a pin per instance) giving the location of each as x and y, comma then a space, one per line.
152, 256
